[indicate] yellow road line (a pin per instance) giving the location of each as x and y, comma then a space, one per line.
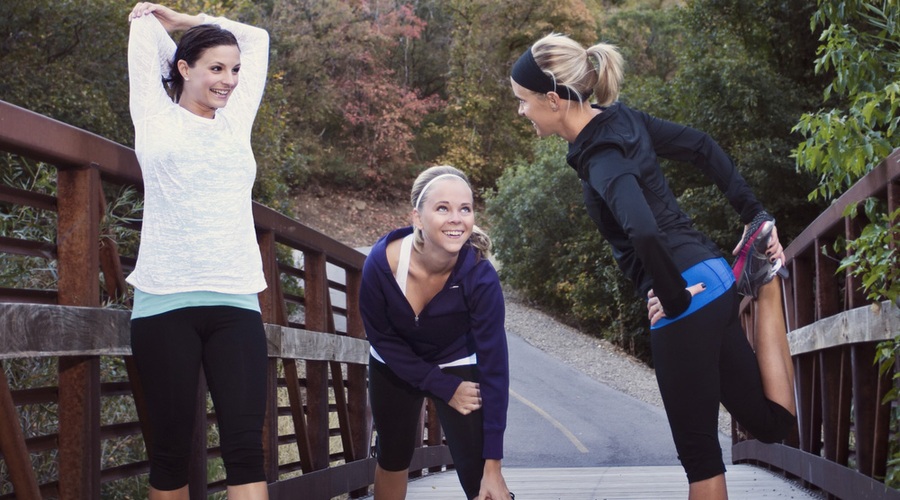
582, 448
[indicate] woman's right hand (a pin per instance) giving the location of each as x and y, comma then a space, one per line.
467, 398
170, 19
655, 310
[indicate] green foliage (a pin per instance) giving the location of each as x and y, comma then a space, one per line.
551, 251
860, 49
67, 60
873, 256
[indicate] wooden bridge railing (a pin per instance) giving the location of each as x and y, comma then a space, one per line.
317, 435
844, 436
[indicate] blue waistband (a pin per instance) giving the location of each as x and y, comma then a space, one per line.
718, 277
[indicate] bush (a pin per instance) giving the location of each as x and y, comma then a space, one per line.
550, 250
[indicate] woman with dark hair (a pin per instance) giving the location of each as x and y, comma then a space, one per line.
199, 268
700, 353
434, 312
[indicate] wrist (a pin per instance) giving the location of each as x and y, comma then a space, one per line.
188, 21
492, 466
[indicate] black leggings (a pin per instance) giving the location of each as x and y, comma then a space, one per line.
229, 343
396, 406
700, 360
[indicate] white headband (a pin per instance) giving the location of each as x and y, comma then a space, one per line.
428, 185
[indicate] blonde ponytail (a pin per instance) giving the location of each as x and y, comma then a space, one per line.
598, 70
610, 72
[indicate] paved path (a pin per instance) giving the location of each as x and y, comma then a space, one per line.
559, 417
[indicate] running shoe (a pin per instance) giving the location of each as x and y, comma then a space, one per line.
752, 269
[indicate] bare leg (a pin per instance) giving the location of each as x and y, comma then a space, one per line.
709, 489
179, 494
772, 351
250, 491
390, 485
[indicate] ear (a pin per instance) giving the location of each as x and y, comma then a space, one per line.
183, 68
416, 218
553, 100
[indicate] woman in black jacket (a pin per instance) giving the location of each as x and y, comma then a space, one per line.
700, 352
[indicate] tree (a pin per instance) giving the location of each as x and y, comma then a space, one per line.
860, 49
479, 130
352, 110
67, 60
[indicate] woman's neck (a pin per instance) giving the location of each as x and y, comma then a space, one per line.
434, 262
577, 117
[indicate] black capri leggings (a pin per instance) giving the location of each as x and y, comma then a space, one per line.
396, 406
230, 345
698, 365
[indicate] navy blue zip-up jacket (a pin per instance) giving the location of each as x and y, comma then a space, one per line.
467, 316
629, 200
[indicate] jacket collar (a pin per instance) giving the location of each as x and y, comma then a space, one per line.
464, 263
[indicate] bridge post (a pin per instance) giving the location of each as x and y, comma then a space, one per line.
356, 374
316, 301
78, 232
872, 418
271, 303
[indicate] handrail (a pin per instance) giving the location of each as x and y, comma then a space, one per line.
843, 429
317, 365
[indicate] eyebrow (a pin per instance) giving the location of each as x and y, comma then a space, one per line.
448, 201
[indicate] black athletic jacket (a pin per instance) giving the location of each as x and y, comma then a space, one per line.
627, 196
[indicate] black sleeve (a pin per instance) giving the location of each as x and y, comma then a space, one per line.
681, 143
621, 191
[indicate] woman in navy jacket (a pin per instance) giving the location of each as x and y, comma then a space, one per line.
701, 356
434, 316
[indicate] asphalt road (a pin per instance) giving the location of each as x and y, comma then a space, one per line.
559, 417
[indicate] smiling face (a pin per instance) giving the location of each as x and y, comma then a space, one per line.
211, 80
537, 108
446, 215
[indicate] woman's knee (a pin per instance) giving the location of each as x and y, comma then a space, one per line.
169, 468
393, 456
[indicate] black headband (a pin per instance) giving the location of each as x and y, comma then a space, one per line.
528, 74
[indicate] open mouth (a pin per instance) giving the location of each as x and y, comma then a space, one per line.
220, 93
454, 234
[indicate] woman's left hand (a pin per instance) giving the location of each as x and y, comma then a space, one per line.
774, 250
170, 19
655, 309
467, 398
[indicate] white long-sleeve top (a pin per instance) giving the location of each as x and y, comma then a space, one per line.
198, 232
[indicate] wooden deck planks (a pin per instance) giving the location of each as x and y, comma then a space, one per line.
745, 482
